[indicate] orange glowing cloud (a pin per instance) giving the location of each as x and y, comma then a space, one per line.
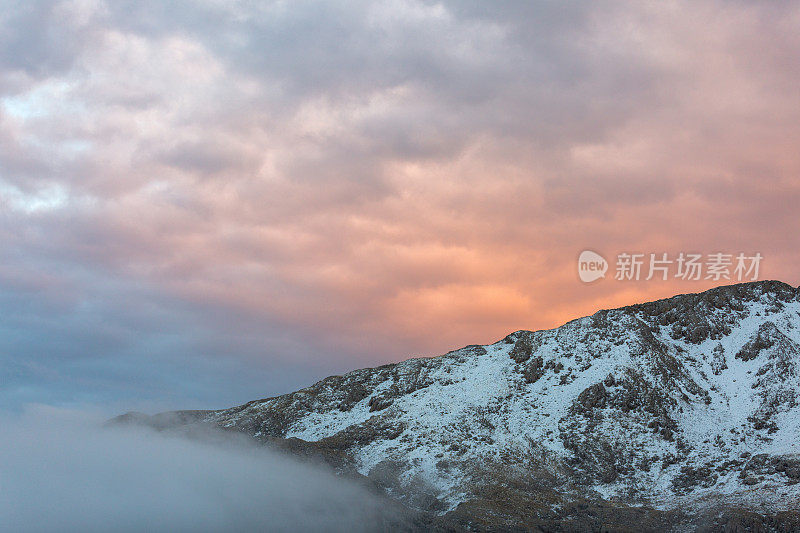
415, 187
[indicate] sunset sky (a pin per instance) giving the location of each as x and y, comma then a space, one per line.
203, 203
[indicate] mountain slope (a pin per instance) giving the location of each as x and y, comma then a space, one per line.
685, 403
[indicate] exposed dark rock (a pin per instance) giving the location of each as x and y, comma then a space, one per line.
378, 403
593, 397
522, 349
693, 476
534, 370
718, 363
766, 337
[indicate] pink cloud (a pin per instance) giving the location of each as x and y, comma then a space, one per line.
388, 198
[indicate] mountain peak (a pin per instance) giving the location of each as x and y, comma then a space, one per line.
723, 295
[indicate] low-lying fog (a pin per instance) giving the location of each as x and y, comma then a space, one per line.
63, 471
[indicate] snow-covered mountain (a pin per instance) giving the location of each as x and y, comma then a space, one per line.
674, 408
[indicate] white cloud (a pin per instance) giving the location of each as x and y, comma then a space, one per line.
61, 471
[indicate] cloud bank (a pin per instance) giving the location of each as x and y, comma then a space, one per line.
61, 471
204, 202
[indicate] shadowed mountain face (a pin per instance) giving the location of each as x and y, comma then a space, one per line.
671, 414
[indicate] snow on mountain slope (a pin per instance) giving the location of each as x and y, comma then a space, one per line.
687, 401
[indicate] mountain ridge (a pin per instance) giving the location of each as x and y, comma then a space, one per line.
678, 407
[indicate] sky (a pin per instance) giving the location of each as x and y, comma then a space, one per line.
203, 203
